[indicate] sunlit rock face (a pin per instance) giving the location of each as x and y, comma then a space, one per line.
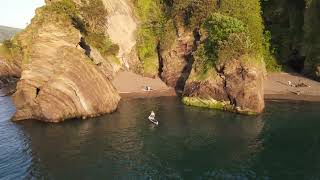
177, 60
59, 81
121, 28
236, 87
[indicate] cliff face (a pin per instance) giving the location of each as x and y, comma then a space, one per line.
294, 28
312, 38
60, 80
10, 67
10, 59
210, 51
177, 60
238, 87
121, 28
216, 57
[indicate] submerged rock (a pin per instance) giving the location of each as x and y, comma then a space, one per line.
10, 63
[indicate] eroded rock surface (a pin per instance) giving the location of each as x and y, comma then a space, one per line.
121, 28
176, 60
59, 81
238, 84
10, 67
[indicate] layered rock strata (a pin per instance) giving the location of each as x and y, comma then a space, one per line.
236, 87
59, 81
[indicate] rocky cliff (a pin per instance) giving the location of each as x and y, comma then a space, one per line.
177, 60
294, 27
216, 55
238, 87
121, 28
212, 52
312, 38
62, 76
10, 66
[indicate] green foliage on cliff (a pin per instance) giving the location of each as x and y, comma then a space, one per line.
284, 20
226, 39
10, 51
220, 27
102, 43
249, 12
312, 38
189, 13
294, 27
269, 54
90, 19
160, 20
64, 7
94, 15
151, 18
214, 104
92, 23
234, 30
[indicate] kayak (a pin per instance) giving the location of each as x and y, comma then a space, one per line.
153, 120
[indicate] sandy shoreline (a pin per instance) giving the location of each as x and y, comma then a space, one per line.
267, 97
277, 88
130, 86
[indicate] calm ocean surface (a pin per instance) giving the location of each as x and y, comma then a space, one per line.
189, 143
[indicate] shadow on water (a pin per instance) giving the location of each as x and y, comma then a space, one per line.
189, 143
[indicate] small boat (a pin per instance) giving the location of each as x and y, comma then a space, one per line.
153, 120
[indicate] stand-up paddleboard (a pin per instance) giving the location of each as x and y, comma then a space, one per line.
153, 120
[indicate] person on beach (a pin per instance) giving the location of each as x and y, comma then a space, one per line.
147, 88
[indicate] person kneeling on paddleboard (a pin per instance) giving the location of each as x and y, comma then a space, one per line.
152, 118
152, 115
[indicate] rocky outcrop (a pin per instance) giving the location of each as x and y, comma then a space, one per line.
121, 28
176, 61
10, 68
60, 81
294, 28
236, 86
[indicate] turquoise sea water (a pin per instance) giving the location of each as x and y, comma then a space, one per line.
189, 143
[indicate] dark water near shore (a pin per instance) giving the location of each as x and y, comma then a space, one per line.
189, 143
